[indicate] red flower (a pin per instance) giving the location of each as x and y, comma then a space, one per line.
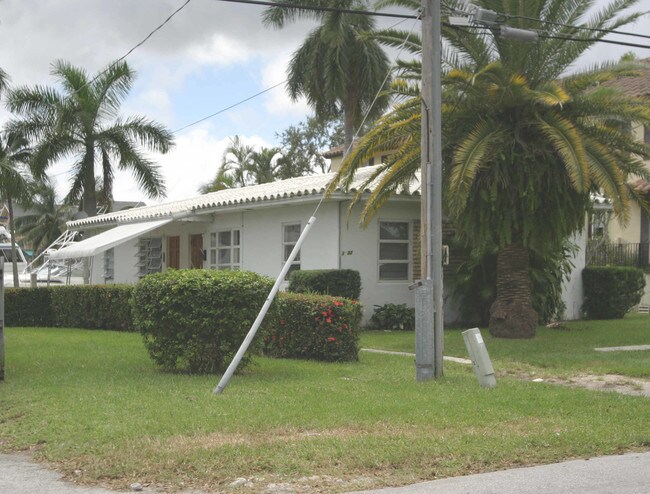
329, 319
337, 303
331, 338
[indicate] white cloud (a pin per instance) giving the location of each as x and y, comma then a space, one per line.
278, 101
220, 50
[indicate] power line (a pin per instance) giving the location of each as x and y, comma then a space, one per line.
487, 30
144, 40
501, 18
583, 28
322, 9
229, 107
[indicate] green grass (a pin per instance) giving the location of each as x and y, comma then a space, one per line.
563, 351
92, 402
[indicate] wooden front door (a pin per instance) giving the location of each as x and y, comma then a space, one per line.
196, 251
174, 252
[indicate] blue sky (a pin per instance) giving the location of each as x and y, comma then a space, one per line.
211, 55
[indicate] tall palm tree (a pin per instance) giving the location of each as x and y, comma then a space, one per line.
46, 218
336, 69
15, 154
83, 122
524, 145
236, 159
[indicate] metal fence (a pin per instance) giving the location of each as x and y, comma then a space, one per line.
604, 254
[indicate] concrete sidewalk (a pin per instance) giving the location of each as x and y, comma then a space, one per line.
621, 474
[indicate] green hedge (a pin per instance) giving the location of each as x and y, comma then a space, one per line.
92, 306
195, 320
610, 292
317, 327
335, 282
82, 306
28, 307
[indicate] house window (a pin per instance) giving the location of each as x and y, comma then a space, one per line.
149, 256
225, 250
394, 249
109, 264
290, 236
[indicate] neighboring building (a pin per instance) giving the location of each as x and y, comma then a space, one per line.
254, 228
629, 244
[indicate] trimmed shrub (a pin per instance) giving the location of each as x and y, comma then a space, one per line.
317, 327
611, 291
28, 307
92, 306
335, 282
393, 316
195, 320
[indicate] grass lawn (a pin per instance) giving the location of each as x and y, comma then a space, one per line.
562, 351
91, 404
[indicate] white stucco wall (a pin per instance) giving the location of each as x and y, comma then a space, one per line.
572, 290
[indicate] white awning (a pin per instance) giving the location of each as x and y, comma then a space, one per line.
106, 240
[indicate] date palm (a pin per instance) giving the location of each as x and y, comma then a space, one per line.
336, 69
523, 144
82, 121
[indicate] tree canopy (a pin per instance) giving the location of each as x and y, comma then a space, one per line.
524, 144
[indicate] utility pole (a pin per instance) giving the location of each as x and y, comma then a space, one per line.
429, 314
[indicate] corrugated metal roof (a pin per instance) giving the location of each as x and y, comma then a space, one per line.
311, 186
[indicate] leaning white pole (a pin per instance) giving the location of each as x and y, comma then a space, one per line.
260, 317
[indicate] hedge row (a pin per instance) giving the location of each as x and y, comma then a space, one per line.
89, 307
195, 320
335, 282
610, 292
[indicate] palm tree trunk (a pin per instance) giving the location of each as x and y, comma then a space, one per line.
12, 232
348, 127
512, 314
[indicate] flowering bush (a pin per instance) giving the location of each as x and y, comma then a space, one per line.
316, 327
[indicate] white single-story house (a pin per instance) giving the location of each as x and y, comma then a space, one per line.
254, 228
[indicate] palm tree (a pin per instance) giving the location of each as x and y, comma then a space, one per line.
82, 121
264, 166
15, 154
336, 69
236, 159
46, 219
4, 81
523, 147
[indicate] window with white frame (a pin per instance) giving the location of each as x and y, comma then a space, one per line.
109, 264
394, 250
290, 236
225, 250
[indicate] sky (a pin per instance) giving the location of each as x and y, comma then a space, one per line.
211, 55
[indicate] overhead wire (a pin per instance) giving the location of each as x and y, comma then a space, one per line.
323, 9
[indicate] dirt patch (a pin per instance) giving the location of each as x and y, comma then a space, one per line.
632, 386
609, 382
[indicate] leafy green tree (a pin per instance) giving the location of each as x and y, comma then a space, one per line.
15, 154
82, 121
336, 69
524, 145
46, 218
302, 147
